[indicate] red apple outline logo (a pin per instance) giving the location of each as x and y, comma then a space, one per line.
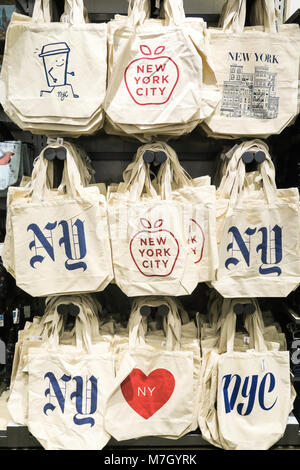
146, 51
148, 229
203, 240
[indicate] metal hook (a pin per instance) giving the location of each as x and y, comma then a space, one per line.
55, 152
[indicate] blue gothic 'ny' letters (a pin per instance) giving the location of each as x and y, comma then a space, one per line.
229, 402
58, 393
277, 249
270, 248
73, 240
241, 244
78, 395
77, 240
86, 397
45, 243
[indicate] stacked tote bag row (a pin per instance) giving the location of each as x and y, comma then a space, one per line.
53, 77
151, 77
65, 91
246, 392
154, 234
74, 389
70, 232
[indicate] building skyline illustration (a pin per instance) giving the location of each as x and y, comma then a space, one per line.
250, 94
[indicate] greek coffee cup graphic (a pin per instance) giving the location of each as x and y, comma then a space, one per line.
56, 60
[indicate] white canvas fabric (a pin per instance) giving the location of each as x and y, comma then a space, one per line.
262, 13
68, 387
149, 237
64, 232
86, 175
158, 71
258, 97
257, 230
17, 403
65, 89
154, 390
227, 354
256, 419
174, 182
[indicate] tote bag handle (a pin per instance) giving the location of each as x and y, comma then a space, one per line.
265, 13
71, 178
173, 12
233, 17
137, 324
233, 181
42, 12
253, 324
138, 12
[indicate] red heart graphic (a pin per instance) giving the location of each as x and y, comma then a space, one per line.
147, 394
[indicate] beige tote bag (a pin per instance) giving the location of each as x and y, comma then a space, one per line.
257, 231
58, 90
254, 390
149, 239
68, 387
60, 237
153, 390
156, 72
258, 96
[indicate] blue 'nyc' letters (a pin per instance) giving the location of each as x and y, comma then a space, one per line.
270, 248
81, 390
248, 390
73, 240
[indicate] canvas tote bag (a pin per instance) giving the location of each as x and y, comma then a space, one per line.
254, 388
86, 174
56, 97
64, 231
257, 230
250, 65
33, 335
174, 182
212, 348
153, 390
155, 337
262, 12
159, 102
68, 387
150, 250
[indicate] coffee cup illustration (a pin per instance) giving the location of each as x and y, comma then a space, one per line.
56, 59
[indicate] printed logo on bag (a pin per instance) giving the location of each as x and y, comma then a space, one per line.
154, 250
250, 390
247, 93
146, 394
55, 58
73, 240
196, 240
84, 397
151, 79
266, 240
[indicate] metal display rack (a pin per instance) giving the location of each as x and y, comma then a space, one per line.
18, 437
110, 155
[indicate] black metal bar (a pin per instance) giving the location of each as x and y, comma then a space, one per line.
20, 437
